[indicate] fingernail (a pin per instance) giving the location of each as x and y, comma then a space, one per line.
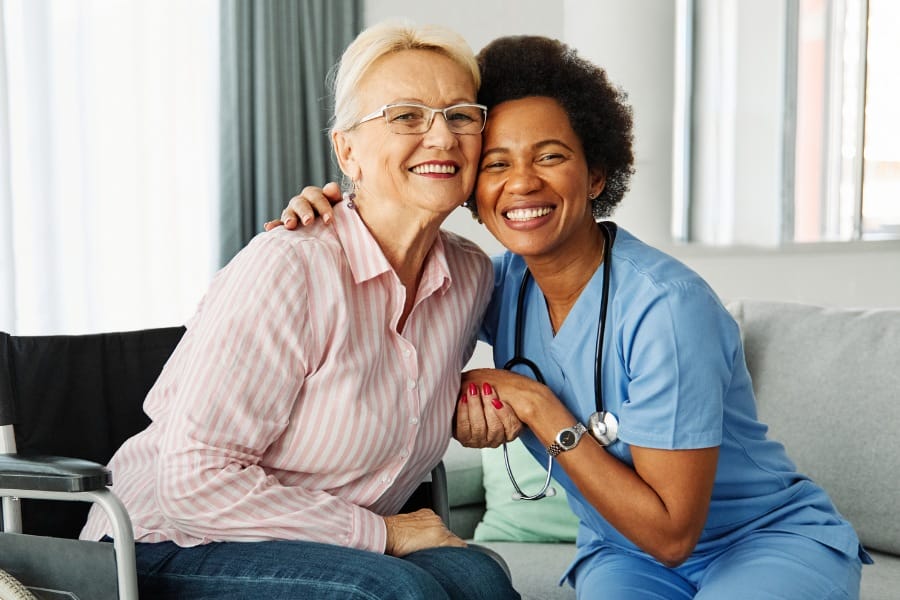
307, 219
288, 221
486, 389
473, 389
497, 404
326, 218
463, 398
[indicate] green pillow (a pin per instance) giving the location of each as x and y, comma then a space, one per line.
546, 520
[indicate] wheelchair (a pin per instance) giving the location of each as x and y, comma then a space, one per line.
66, 404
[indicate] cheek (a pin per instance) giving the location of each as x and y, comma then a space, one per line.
487, 187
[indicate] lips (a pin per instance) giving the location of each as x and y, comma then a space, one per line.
526, 214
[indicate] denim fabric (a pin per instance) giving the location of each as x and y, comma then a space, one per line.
278, 570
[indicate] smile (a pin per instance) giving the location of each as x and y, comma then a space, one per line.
524, 214
432, 168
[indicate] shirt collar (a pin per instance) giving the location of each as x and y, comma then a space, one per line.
367, 261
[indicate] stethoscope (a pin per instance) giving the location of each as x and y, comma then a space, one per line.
602, 425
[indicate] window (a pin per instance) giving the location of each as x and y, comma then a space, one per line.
108, 139
792, 132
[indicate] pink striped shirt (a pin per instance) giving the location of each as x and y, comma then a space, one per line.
292, 408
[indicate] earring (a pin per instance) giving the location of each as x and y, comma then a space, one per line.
592, 195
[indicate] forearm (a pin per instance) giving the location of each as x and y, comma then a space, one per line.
666, 529
212, 497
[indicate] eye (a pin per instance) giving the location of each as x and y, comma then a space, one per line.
551, 158
494, 166
405, 114
460, 117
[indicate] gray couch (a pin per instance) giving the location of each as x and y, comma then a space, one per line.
827, 384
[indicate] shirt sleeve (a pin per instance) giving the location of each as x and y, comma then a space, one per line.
233, 383
679, 346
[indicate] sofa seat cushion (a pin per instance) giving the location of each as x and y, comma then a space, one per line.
536, 568
881, 581
826, 383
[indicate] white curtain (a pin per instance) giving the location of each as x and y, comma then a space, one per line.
108, 162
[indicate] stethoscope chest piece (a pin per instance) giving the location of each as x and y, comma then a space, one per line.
604, 427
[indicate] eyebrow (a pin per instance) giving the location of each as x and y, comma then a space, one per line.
538, 146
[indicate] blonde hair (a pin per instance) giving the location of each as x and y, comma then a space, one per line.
386, 38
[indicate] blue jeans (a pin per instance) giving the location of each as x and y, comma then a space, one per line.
278, 570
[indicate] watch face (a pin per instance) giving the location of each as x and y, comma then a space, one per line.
567, 438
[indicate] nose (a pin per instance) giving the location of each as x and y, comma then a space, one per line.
439, 134
523, 179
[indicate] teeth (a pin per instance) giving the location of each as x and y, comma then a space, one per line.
523, 214
432, 168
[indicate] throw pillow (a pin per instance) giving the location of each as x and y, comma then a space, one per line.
546, 520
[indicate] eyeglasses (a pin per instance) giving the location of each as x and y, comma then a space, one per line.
411, 118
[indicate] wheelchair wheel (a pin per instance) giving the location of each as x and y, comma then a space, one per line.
11, 589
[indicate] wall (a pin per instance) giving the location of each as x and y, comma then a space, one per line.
635, 42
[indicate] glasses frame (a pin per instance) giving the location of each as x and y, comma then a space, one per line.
381, 112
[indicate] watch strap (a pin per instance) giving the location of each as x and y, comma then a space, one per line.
556, 447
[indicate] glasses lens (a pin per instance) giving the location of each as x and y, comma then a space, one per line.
407, 118
465, 118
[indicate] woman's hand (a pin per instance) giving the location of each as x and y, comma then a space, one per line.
482, 420
418, 530
303, 208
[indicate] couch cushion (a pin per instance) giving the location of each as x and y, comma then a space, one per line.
881, 580
827, 383
464, 476
547, 520
536, 568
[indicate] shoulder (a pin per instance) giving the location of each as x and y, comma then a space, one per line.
643, 267
465, 254
647, 278
291, 250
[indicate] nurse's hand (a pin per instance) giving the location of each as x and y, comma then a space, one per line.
482, 419
303, 208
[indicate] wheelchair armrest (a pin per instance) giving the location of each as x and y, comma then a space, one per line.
52, 473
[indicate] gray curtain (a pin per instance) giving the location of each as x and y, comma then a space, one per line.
275, 105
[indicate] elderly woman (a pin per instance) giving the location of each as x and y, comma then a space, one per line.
277, 461
645, 403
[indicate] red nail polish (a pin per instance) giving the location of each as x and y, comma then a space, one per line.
486, 389
497, 404
463, 398
473, 389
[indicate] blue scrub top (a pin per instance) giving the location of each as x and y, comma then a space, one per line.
675, 376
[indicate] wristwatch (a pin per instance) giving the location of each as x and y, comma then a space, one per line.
566, 439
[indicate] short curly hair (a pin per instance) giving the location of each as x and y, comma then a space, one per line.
515, 67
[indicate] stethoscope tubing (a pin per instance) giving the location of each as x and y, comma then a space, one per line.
607, 436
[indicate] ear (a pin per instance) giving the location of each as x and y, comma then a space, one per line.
344, 150
598, 182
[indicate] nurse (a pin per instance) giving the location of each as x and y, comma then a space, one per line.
692, 500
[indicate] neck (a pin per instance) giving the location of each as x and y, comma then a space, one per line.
405, 241
563, 276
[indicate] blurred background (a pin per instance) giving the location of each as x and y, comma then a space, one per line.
144, 142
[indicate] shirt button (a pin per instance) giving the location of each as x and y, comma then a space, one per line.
404, 453
406, 352
411, 384
414, 421
385, 479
